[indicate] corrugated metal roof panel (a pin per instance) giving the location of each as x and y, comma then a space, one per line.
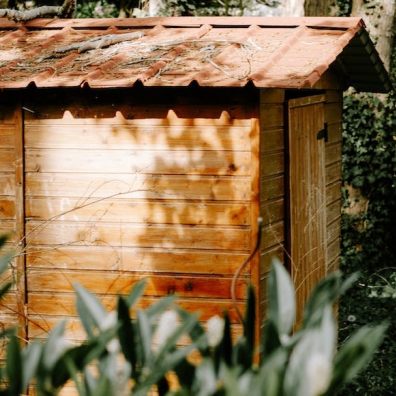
223, 52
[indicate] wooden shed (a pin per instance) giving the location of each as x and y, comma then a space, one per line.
135, 148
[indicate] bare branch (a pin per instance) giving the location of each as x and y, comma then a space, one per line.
99, 42
66, 10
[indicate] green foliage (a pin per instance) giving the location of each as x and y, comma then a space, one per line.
344, 7
105, 9
96, 9
124, 355
205, 7
369, 164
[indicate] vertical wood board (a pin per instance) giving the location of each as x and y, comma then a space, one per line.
307, 195
272, 183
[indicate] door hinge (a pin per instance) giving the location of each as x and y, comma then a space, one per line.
323, 133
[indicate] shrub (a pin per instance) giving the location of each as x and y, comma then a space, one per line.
124, 355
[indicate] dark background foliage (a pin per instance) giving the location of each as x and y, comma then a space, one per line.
369, 237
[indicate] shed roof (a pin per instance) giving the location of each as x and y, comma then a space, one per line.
209, 51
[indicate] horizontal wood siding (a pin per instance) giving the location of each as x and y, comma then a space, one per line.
272, 182
112, 199
333, 117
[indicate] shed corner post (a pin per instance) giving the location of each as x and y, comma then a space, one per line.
254, 215
20, 260
271, 187
333, 176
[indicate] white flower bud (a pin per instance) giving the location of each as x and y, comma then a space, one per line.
215, 329
318, 374
167, 324
113, 346
109, 321
61, 346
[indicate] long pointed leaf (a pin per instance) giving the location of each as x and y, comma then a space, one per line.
14, 367
81, 356
136, 292
224, 349
3, 239
355, 354
249, 327
270, 340
4, 289
90, 310
160, 306
126, 334
197, 331
171, 341
31, 360
5, 261
53, 348
327, 291
73, 371
145, 336
281, 305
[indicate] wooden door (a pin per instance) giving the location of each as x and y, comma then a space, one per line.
307, 195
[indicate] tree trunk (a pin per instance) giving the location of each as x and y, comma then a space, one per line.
293, 8
155, 7
320, 8
379, 16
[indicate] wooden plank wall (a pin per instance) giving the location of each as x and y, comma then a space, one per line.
11, 308
272, 185
333, 117
112, 199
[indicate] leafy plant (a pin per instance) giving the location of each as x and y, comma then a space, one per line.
96, 9
124, 355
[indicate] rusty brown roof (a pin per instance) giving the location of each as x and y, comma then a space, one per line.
209, 51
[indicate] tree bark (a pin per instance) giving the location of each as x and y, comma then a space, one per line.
155, 7
66, 10
379, 16
293, 8
320, 7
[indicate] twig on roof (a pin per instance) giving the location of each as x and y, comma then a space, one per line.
99, 42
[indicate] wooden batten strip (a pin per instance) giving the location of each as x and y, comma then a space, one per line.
138, 162
65, 304
141, 260
272, 184
20, 260
171, 187
138, 235
138, 211
255, 213
115, 282
166, 137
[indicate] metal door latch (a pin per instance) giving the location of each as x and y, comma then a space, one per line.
323, 133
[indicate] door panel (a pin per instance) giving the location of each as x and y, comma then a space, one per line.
307, 195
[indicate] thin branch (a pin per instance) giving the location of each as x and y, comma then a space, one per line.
99, 42
66, 10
